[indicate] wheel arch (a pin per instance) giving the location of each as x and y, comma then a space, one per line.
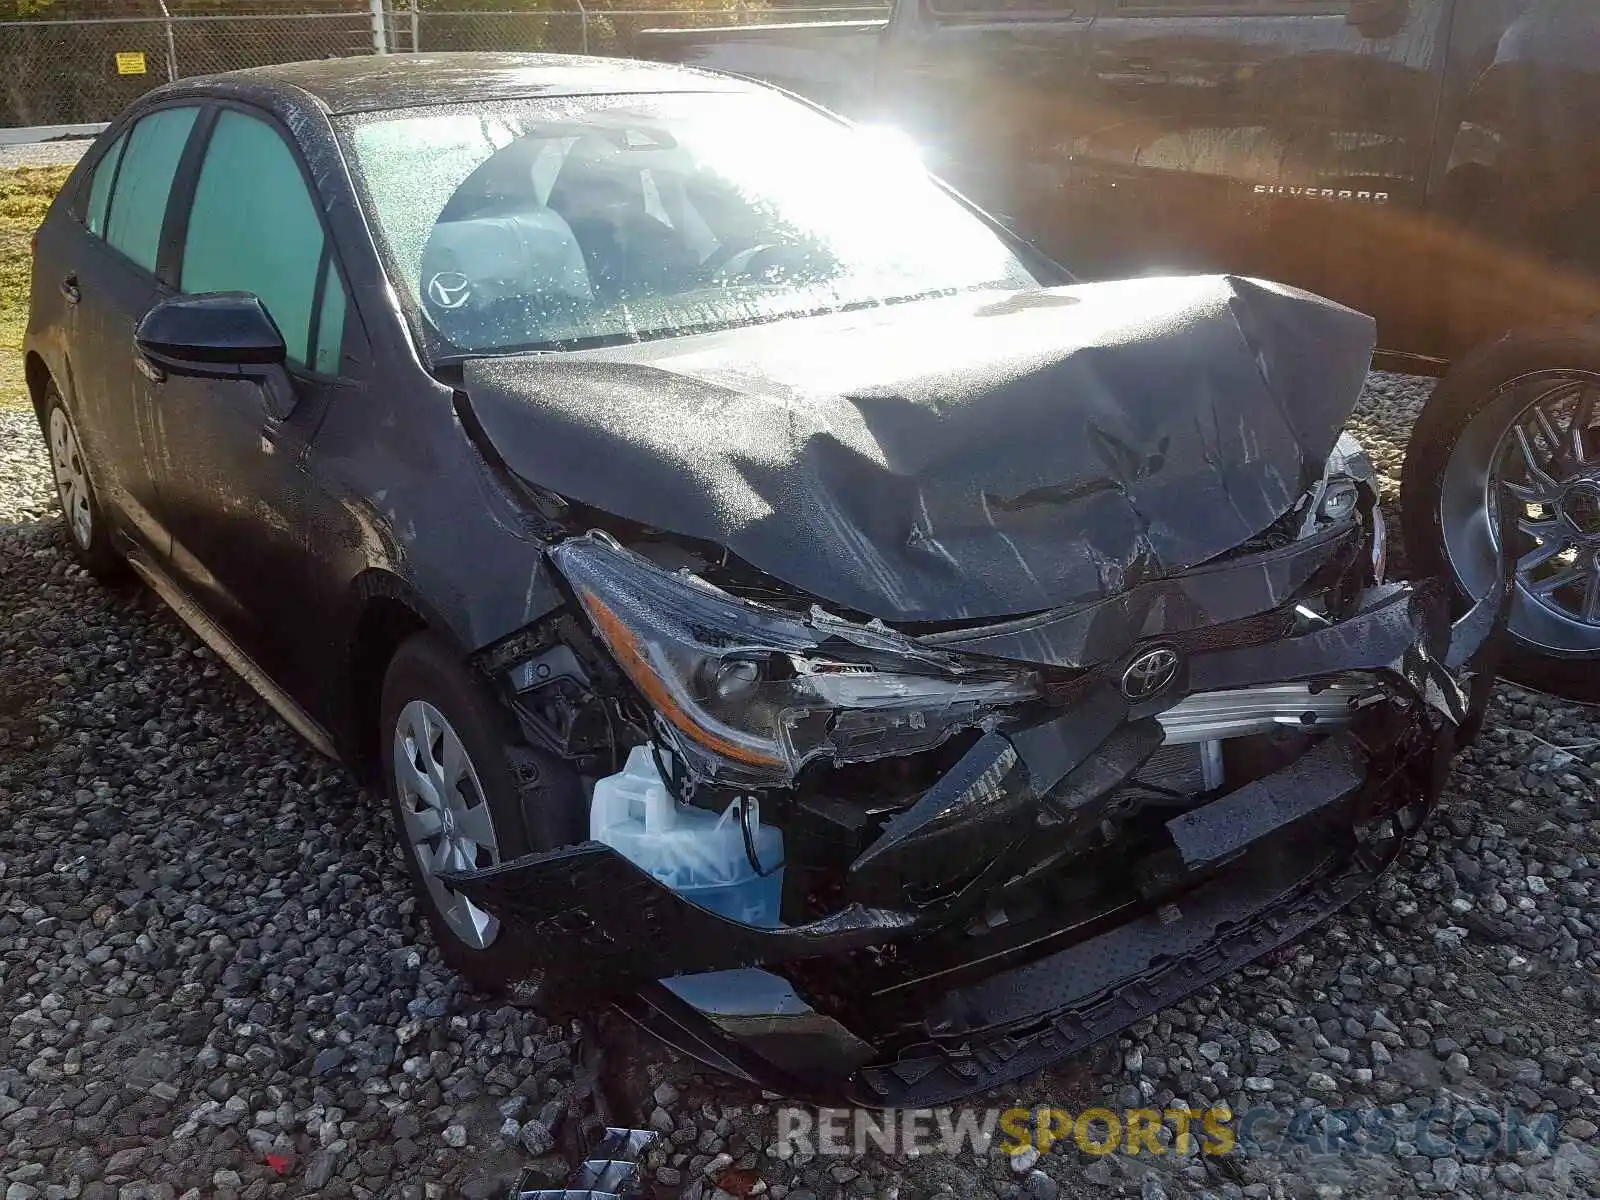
385, 613
39, 377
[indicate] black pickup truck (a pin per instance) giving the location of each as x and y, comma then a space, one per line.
1433, 162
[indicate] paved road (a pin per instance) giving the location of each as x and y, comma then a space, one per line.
43, 154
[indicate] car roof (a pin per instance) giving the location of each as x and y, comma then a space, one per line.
376, 82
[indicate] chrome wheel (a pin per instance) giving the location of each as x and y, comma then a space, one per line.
72, 478
445, 814
1539, 438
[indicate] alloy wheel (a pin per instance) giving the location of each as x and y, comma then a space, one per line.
72, 479
1538, 443
445, 815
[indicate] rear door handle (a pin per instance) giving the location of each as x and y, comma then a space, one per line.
71, 290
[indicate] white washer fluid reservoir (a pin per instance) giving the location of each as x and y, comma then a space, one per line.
698, 853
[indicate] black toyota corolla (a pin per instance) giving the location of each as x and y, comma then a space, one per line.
773, 599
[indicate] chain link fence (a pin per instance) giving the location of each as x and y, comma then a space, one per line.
85, 70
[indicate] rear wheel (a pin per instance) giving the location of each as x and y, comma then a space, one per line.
1522, 414
464, 794
87, 533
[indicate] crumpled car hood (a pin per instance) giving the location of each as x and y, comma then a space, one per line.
979, 456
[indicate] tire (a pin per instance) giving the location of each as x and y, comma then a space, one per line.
428, 676
88, 535
1465, 432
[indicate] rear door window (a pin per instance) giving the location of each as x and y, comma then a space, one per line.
137, 208
254, 227
105, 174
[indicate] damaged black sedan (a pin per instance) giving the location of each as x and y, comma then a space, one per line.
774, 600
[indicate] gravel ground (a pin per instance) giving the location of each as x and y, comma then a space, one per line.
43, 154
212, 984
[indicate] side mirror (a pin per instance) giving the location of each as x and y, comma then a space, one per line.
1379, 18
218, 329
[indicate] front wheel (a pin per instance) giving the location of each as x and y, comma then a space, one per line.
87, 532
465, 794
1520, 417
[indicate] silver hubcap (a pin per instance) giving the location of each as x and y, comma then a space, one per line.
446, 817
1547, 457
72, 480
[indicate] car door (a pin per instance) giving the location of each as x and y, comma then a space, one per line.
109, 279
1272, 137
233, 483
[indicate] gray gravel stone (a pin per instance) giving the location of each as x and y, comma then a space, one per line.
536, 1138
321, 1168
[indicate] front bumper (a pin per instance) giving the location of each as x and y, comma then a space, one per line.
890, 1001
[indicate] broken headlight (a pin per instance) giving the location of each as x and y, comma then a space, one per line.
752, 694
1349, 472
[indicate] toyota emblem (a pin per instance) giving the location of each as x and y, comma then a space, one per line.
1150, 673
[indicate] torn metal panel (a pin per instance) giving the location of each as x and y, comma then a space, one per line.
979, 456
1073, 798
632, 929
1326, 775
1053, 748
1264, 708
963, 820
1021, 1020
1388, 625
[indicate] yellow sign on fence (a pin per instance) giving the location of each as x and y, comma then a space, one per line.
130, 62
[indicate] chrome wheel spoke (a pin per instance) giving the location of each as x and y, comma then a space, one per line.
1547, 430
1591, 594
475, 825
412, 773
423, 787
1582, 414
422, 823
1537, 475
1541, 554
482, 922
1548, 586
427, 740
458, 911
464, 914
452, 759
442, 857
1526, 494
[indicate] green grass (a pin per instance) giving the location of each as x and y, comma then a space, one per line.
25, 193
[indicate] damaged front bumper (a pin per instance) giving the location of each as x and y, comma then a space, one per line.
952, 967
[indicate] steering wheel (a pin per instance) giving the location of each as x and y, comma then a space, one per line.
758, 260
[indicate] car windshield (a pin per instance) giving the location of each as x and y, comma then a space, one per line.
585, 221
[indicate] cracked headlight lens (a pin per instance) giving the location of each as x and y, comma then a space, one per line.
754, 693
1349, 470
